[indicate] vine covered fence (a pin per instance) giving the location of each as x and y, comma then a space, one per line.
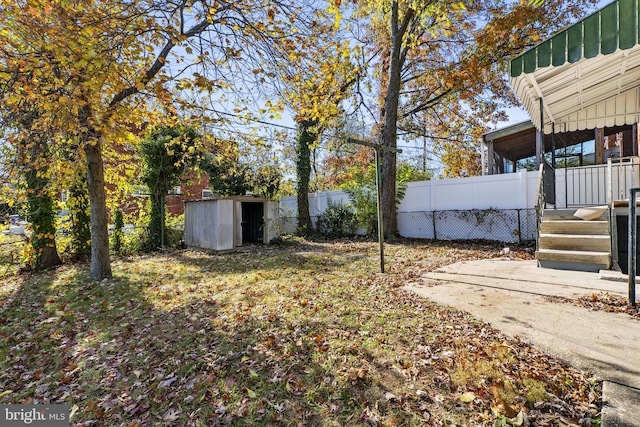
493, 207
503, 225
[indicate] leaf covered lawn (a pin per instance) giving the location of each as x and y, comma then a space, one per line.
306, 334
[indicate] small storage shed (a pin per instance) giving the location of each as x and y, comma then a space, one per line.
227, 223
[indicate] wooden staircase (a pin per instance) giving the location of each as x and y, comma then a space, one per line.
570, 243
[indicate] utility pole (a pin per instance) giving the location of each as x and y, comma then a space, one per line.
424, 143
424, 153
379, 149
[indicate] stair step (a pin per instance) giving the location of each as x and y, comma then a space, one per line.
559, 214
573, 266
576, 242
586, 257
568, 218
567, 215
575, 227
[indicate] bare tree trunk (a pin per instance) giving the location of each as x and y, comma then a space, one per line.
389, 217
307, 136
100, 262
389, 138
390, 112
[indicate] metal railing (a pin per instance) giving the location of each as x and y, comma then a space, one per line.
623, 175
601, 184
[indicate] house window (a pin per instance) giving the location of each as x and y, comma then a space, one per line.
176, 190
207, 194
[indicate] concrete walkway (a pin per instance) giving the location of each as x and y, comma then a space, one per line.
510, 296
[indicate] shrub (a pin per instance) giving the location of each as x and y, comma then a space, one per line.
175, 230
117, 236
79, 223
364, 201
337, 220
364, 197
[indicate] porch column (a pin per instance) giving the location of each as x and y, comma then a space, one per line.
627, 144
599, 141
540, 137
482, 157
553, 145
491, 158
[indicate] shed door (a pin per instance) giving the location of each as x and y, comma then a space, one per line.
252, 222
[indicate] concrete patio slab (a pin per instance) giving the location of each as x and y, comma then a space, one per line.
511, 296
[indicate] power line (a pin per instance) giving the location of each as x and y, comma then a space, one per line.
248, 118
329, 135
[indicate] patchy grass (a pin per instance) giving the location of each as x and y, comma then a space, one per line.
306, 333
11, 249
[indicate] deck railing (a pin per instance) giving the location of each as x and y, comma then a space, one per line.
598, 184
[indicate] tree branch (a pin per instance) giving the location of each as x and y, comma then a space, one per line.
431, 102
158, 63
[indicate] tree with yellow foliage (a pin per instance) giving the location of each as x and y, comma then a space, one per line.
96, 69
442, 65
314, 82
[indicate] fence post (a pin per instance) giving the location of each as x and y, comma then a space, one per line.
518, 212
435, 233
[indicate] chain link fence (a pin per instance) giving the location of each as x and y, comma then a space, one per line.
503, 225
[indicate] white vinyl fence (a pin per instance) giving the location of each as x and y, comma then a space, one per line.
494, 207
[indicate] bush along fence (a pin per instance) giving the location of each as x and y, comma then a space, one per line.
493, 207
503, 225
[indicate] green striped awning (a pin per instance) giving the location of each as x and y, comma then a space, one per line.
611, 28
587, 76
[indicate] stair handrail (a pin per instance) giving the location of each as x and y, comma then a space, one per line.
540, 204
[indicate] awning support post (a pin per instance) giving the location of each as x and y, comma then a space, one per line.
540, 137
491, 159
482, 157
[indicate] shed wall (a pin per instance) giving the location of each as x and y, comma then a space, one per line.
209, 224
